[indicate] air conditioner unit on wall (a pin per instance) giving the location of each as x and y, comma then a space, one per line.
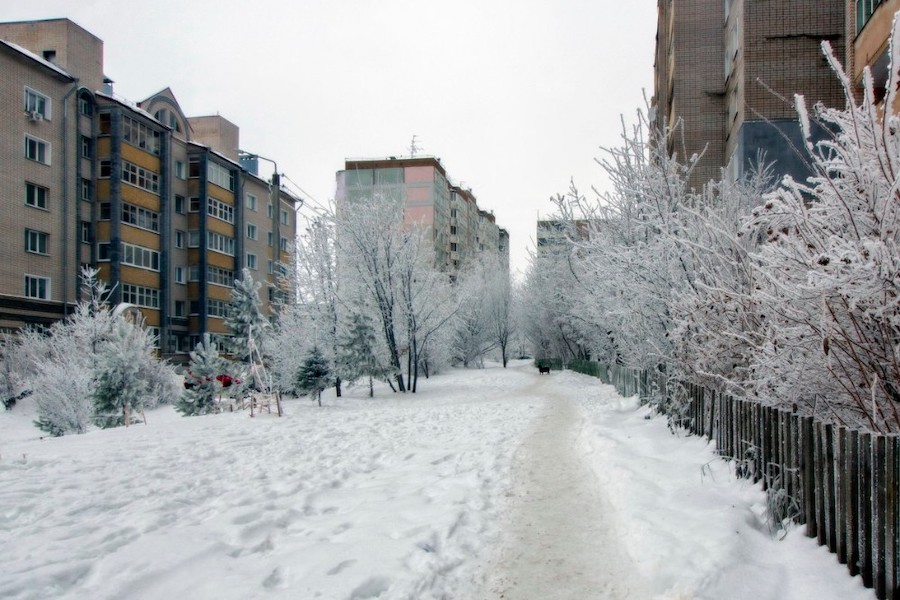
35, 116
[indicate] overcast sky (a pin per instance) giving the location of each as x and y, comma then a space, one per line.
515, 96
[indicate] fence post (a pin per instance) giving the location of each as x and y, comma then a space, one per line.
865, 507
808, 475
830, 508
878, 514
851, 497
892, 518
837, 469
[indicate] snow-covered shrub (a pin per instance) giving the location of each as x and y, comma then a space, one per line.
314, 375
830, 267
121, 390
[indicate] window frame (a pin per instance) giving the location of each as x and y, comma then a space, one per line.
38, 279
37, 196
37, 242
39, 146
45, 110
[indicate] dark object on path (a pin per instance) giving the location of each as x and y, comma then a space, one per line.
543, 369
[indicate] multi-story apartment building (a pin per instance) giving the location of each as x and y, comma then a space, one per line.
729, 71
158, 201
450, 214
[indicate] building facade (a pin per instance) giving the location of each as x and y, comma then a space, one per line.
869, 24
157, 201
460, 230
729, 72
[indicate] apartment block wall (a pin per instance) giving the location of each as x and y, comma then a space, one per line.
449, 214
20, 73
133, 195
73, 48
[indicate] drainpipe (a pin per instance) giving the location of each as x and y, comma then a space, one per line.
65, 196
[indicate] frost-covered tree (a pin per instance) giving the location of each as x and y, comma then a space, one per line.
314, 375
371, 246
289, 341
15, 370
830, 265
473, 327
360, 353
246, 321
203, 386
121, 388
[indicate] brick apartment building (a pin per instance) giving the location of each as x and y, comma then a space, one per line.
729, 71
869, 24
459, 228
158, 201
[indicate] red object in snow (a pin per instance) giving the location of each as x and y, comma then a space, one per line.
224, 379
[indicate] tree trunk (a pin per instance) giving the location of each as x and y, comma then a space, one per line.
337, 386
319, 397
371, 387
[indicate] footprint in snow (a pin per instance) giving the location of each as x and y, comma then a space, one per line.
372, 587
340, 566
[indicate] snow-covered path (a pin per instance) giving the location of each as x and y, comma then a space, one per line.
561, 540
487, 484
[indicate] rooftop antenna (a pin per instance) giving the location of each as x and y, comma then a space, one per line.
413, 148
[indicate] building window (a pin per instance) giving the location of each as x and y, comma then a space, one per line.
140, 217
86, 230
453, 230
270, 212
193, 204
105, 169
180, 308
251, 261
36, 241
179, 274
284, 244
105, 211
195, 310
220, 276
179, 204
270, 238
36, 196
251, 231
142, 258
103, 251
220, 210
179, 238
140, 177
251, 202
194, 238
217, 308
864, 11
37, 150
87, 147
194, 273
193, 167
37, 287
285, 218
219, 243
270, 267
180, 171
140, 295
86, 189
221, 176
140, 135
37, 104
84, 106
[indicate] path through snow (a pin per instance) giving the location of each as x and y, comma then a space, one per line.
561, 541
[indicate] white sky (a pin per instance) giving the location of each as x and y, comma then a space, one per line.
515, 96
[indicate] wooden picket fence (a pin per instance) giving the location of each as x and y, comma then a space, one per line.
842, 484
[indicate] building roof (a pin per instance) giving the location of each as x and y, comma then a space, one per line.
37, 59
392, 162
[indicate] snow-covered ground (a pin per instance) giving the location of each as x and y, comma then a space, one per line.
431, 495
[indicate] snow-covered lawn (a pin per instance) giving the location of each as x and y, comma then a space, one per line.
395, 497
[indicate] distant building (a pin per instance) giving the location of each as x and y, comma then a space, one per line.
555, 236
156, 200
729, 71
460, 230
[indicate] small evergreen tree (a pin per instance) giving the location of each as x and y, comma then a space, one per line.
245, 320
121, 390
200, 397
315, 375
358, 351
